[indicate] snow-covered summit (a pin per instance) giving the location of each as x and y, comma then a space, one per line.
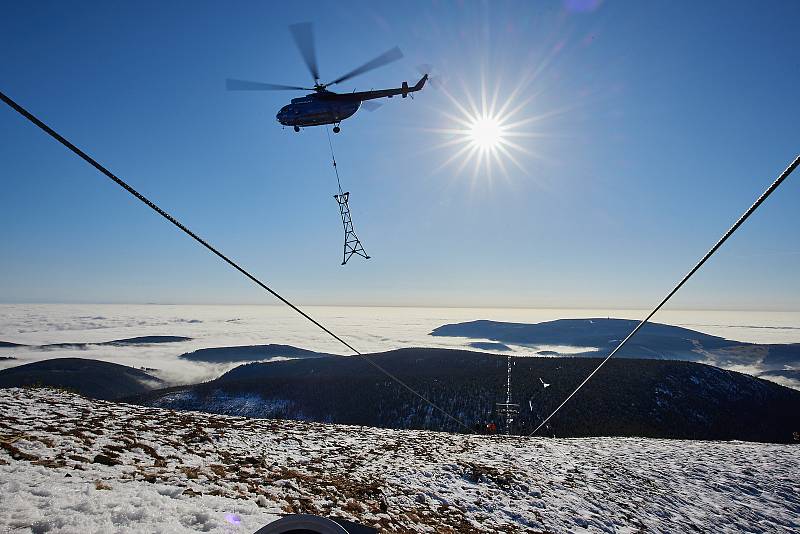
70, 464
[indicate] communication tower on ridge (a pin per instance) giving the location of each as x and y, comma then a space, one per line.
508, 410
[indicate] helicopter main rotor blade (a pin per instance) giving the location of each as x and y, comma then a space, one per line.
387, 57
303, 34
369, 105
246, 85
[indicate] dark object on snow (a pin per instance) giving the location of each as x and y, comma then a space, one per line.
314, 524
105, 460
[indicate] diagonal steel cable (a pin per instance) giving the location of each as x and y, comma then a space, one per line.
91, 161
792, 166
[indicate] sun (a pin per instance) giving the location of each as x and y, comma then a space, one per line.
486, 133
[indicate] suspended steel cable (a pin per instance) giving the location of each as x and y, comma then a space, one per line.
352, 244
792, 166
91, 161
335, 168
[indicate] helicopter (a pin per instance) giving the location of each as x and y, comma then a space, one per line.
323, 106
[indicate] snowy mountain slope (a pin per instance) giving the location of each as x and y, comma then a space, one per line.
70, 464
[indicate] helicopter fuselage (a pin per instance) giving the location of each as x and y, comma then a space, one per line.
326, 107
317, 109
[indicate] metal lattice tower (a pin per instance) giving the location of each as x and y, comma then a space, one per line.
508, 410
352, 245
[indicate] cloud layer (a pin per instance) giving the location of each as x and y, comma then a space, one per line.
368, 329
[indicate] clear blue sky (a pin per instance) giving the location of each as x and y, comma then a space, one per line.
660, 123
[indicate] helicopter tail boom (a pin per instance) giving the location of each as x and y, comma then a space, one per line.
403, 90
417, 87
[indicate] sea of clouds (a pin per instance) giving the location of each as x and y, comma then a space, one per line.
369, 329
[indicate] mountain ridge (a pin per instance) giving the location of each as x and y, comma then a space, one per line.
599, 336
629, 397
92, 378
245, 353
138, 340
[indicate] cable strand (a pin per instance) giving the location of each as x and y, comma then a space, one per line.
91, 161
335, 167
792, 166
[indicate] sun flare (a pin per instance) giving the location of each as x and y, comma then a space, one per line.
486, 133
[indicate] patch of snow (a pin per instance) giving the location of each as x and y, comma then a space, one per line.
69, 464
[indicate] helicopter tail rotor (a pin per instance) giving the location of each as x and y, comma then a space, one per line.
435, 80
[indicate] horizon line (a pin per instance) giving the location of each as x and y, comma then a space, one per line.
404, 306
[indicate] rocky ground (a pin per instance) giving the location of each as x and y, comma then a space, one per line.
71, 464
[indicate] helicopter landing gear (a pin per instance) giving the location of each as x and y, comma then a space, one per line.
296, 128
336, 129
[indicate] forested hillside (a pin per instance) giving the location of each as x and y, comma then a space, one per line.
628, 397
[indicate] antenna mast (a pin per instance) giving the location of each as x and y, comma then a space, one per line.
508, 410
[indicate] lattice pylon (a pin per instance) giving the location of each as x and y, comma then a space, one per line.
508, 410
352, 245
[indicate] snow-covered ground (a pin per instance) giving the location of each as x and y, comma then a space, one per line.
70, 464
